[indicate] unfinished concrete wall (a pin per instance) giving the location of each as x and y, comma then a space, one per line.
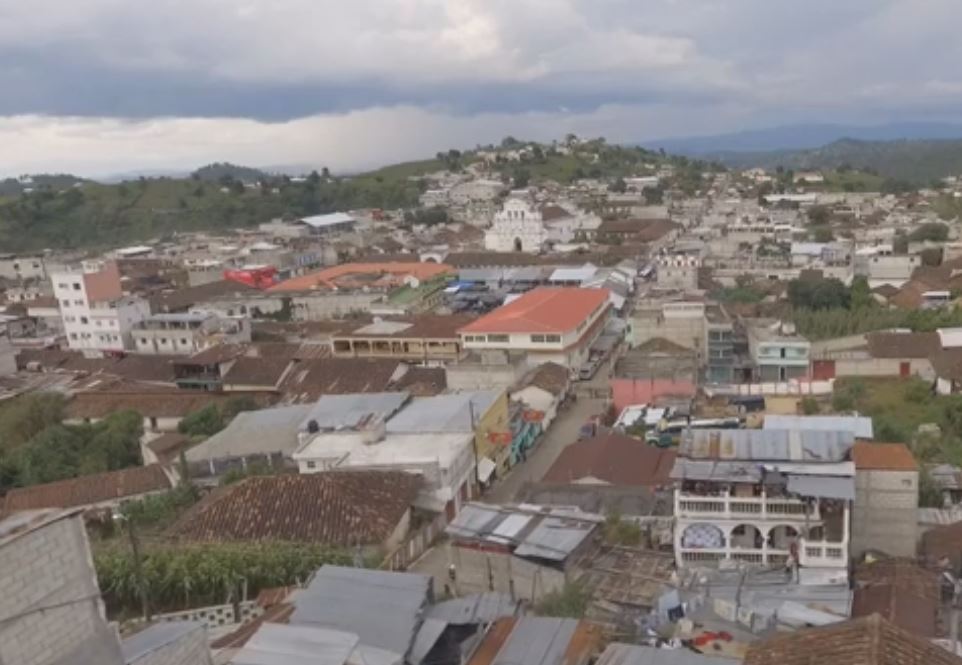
50, 605
885, 512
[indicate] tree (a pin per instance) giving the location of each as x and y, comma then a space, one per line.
860, 293
818, 294
618, 186
325, 173
203, 422
823, 234
809, 406
932, 231
654, 195
818, 215
521, 178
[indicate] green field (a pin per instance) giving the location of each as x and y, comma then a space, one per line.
852, 181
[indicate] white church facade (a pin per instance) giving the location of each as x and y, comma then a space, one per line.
521, 226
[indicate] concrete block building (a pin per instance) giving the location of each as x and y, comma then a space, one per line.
885, 511
50, 607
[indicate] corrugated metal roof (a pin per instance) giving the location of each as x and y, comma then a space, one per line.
537, 641
444, 413
383, 608
253, 432
347, 411
827, 487
474, 520
424, 641
155, 637
860, 426
770, 444
280, 644
535, 532
689, 469
477, 608
633, 654
319, 221
554, 539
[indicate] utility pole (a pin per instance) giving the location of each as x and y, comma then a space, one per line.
474, 446
138, 568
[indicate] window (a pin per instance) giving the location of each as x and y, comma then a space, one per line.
537, 339
312, 465
69, 319
183, 340
552, 339
63, 285
497, 338
84, 320
143, 340
78, 303
65, 303
73, 336
76, 286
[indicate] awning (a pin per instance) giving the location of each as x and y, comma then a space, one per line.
826, 487
485, 468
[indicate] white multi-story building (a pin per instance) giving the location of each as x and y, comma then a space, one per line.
677, 272
187, 333
21, 267
765, 497
97, 316
548, 324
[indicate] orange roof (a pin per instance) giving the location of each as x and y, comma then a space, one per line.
546, 309
883, 456
326, 278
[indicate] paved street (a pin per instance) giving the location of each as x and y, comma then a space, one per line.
563, 431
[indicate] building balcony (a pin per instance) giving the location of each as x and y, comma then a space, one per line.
726, 507
822, 554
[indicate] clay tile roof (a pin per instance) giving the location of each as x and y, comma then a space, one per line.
89, 490
329, 276
948, 363
614, 458
184, 298
662, 346
868, 640
545, 309
943, 542
261, 372
550, 377
869, 456
337, 508
901, 591
422, 381
310, 379
168, 445
150, 404
552, 212
903, 345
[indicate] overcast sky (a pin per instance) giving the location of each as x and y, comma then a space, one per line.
106, 86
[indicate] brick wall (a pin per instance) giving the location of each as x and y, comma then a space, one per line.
49, 599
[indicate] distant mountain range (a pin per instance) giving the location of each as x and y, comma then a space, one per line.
804, 137
915, 152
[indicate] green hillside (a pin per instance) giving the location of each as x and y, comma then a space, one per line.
97, 215
222, 196
918, 162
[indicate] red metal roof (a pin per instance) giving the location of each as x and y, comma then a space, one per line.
546, 309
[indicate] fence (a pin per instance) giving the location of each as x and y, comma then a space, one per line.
415, 545
783, 388
215, 616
